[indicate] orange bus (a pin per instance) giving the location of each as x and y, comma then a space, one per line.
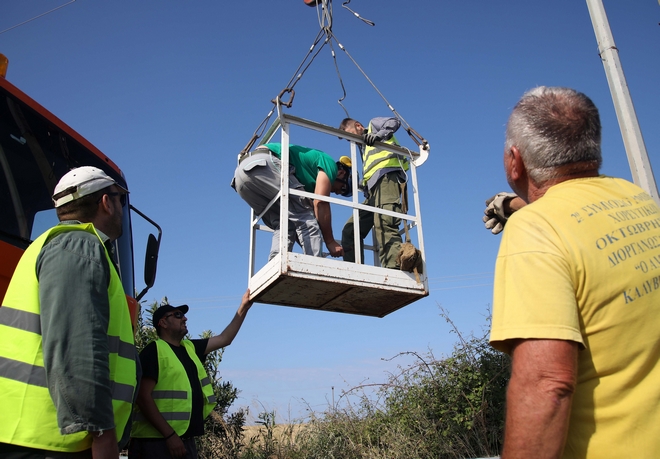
36, 150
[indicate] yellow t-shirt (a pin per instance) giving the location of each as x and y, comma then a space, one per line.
583, 264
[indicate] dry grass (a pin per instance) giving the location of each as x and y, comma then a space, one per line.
257, 433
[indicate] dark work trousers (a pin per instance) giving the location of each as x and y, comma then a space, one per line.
154, 448
20, 452
386, 194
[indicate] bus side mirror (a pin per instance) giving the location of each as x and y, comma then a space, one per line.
151, 256
151, 261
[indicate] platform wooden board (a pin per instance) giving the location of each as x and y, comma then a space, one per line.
335, 286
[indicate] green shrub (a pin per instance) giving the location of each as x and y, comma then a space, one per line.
448, 408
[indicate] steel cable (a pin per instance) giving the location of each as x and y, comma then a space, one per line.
325, 17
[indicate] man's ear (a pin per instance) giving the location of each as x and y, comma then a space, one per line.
107, 204
515, 164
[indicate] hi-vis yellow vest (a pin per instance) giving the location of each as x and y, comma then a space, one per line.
172, 392
28, 416
375, 158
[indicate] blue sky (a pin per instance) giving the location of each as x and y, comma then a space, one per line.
173, 90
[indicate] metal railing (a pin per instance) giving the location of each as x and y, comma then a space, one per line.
283, 123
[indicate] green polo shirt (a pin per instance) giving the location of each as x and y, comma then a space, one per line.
308, 162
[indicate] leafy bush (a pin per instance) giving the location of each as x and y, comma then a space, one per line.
223, 432
449, 408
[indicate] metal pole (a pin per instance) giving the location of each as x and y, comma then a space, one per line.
333, 398
625, 111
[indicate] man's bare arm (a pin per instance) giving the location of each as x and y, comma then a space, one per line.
324, 216
539, 397
104, 444
229, 333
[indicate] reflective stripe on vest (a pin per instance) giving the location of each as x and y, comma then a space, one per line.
29, 417
375, 158
172, 392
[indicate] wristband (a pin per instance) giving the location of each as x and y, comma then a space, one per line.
170, 435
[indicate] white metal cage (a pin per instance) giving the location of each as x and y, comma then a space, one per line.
304, 281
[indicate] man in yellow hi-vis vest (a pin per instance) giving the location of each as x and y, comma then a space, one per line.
176, 394
67, 355
384, 172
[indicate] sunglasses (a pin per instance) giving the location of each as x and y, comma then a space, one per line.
122, 197
347, 184
177, 315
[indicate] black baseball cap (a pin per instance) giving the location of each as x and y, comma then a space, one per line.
160, 312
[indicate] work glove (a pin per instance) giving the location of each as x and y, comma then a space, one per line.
370, 139
495, 217
365, 190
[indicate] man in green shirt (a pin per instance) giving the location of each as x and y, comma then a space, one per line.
257, 181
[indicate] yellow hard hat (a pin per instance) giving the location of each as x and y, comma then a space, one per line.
346, 161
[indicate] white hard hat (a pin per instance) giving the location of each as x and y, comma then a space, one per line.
80, 182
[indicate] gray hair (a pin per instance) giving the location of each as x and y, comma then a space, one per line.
553, 127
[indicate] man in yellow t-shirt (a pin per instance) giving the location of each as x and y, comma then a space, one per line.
577, 291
